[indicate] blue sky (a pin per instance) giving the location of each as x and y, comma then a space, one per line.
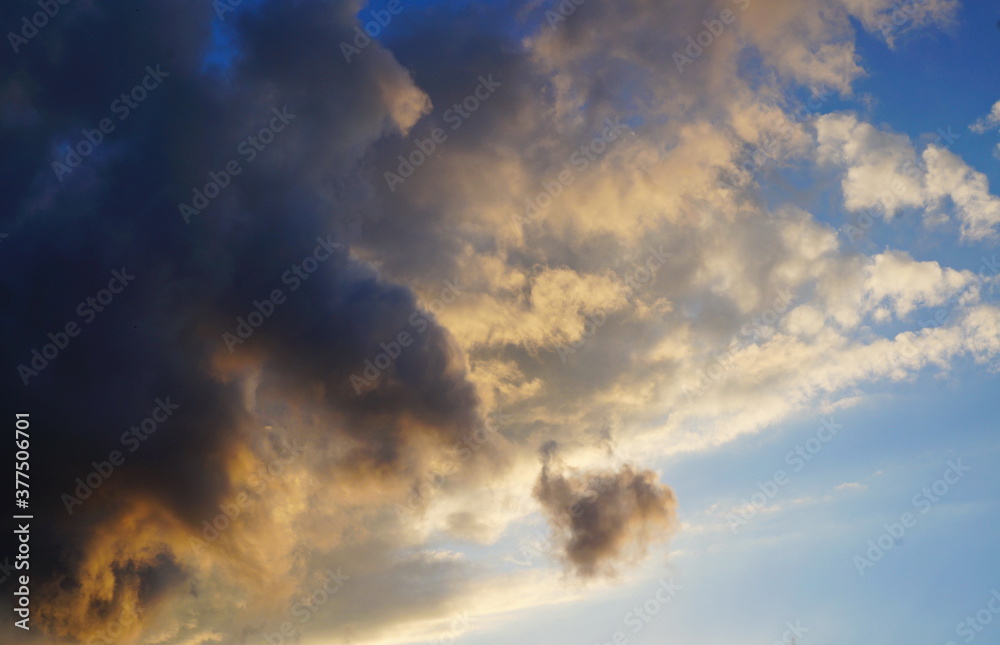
796, 563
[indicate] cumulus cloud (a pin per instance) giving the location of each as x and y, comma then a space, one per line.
883, 173
988, 122
604, 518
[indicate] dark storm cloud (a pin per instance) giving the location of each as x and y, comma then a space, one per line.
603, 518
162, 335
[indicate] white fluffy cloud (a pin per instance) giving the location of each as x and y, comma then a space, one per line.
883, 173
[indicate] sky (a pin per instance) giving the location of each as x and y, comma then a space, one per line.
571, 322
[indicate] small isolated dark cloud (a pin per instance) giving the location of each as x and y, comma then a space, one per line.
604, 518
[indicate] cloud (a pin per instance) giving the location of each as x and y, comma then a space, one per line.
892, 18
138, 541
988, 122
951, 179
604, 518
883, 174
